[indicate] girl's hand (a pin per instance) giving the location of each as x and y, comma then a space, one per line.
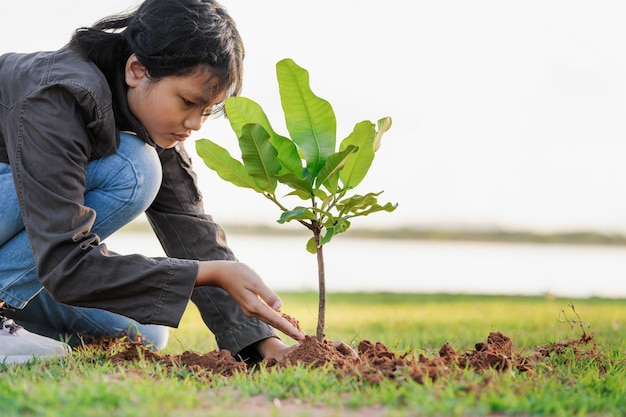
249, 291
273, 348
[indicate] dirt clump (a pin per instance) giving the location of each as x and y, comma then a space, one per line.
372, 363
295, 323
215, 362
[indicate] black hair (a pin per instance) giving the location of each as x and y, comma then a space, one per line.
169, 38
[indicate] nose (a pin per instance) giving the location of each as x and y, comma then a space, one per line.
194, 121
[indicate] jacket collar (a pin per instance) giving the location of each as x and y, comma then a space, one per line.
124, 119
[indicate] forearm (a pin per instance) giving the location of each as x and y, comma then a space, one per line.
214, 273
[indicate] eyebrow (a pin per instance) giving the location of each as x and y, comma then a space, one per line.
208, 99
202, 101
199, 100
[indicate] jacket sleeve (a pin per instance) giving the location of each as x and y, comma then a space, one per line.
177, 213
53, 131
185, 231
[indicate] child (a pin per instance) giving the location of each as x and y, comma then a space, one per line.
91, 136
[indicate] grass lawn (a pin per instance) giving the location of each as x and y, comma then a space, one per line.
569, 383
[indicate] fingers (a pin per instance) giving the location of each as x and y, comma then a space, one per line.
259, 301
276, 320
270, 304
269, 297
255, 298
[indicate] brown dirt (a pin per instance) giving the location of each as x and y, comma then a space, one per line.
291, 320
374, 364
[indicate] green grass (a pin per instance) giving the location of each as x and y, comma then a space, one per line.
88, 384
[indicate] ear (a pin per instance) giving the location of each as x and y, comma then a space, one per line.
134, 71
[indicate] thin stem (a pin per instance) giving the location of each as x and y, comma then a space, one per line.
321, 314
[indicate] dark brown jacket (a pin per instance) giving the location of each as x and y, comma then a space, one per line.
57, 113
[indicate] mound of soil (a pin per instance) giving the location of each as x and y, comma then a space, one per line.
375, 362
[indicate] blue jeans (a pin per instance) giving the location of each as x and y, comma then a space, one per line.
119, 187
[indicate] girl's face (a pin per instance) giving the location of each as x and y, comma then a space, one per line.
171, 107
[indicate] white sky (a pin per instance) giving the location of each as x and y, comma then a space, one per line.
505, 114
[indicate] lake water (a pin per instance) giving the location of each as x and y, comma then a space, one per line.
423, 266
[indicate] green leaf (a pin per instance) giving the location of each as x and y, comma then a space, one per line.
303, 195
384, 125
333, 230
358, 164
357, 202
259, 156
319, 193
311, 246
389, 207
310, 120
242, 111
299, 213
329, 175
299, 184
288, 155
330, 232
357, 206
229, 169
362, 205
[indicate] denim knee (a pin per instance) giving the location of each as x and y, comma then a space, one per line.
10, 217
147, 167
155, 335
121, 186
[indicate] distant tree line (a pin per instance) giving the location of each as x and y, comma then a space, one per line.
439, 234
